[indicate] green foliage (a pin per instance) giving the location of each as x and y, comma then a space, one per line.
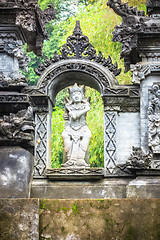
57, 143
96, 125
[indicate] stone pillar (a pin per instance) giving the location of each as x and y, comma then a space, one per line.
121, 129
20, 23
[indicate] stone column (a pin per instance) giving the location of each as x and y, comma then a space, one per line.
20, 23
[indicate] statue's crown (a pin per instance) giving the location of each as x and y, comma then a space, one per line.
75, 88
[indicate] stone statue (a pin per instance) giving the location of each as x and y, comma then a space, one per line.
76, 135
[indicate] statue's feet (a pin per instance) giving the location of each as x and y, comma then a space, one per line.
69, 163
82, 163
76, 163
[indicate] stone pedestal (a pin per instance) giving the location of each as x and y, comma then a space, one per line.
15, 172
98, 189
144, 187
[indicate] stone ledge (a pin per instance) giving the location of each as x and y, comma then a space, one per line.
74, 173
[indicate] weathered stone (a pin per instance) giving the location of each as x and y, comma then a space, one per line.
15, 172
19, 219
106, 188
100, 219
144, 187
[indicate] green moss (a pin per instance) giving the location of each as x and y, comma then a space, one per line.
64, 209
75, 209
42, 205
130, 235
62, 228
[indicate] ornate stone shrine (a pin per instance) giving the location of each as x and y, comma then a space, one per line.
131, 112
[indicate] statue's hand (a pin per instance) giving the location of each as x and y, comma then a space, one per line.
73, 115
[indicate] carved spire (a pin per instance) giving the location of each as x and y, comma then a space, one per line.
77, 30
134, 23
79, 47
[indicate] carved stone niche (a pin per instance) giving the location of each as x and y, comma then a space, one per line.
154, 118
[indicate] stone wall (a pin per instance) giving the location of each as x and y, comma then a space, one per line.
33, 219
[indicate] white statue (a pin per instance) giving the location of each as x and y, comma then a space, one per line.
76, 135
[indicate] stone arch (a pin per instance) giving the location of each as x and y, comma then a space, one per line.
67, 72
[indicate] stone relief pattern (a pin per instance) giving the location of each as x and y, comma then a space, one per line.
13, 98
75, 66
40, 145
79, 47
154, 118
110, 142
30, 18
18, 127
134, 22
13, 48
81, 171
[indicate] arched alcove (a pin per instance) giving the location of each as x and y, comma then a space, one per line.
79, 63
95, 123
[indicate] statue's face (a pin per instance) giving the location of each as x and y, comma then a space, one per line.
76, 96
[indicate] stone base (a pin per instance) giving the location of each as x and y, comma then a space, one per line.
19, 219
144, 187
74, 173
15, 172
105, 188
121, 219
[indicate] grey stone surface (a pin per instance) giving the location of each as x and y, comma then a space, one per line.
144, 187
15, 172
106, 188
127, 135
19, 219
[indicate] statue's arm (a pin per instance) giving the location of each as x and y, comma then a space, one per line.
83, 111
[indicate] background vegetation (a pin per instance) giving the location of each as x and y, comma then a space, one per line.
97, 22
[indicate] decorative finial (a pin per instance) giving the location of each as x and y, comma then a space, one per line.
77, 30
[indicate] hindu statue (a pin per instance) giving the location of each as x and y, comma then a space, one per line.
76, 135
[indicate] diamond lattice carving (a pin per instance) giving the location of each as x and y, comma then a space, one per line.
110, 142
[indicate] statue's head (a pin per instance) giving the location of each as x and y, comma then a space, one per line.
76, 93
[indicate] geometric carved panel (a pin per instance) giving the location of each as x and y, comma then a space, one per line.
109, 142
40, 144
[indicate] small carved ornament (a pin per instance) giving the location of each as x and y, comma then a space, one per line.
18, 127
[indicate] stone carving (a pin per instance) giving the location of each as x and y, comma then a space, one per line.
110, 142
138, 159
30, 18
154, 118
134, 22
76, 67
15, 49
40, 162
79, 47
139, 72
15, 80
13, 98
76, 135
18, 127
84, 173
